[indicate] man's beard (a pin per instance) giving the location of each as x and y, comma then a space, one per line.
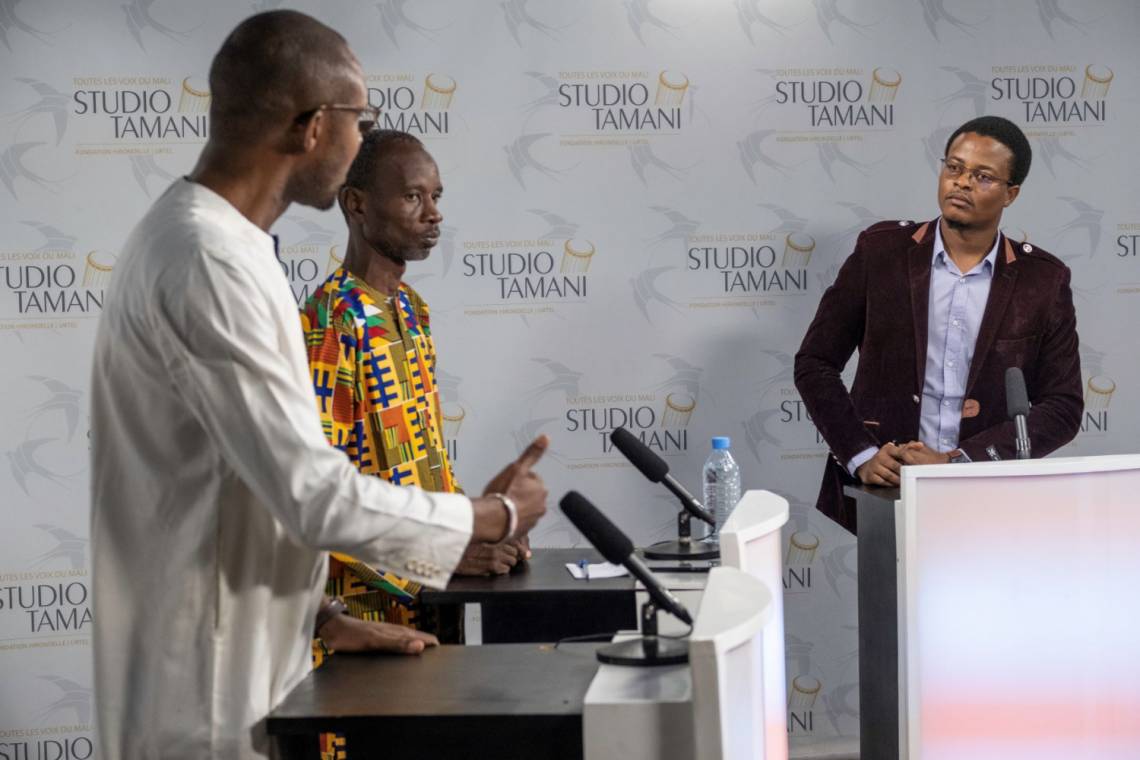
957, 225
311, 189
397, 254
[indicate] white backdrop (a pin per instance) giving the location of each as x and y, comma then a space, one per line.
644, 200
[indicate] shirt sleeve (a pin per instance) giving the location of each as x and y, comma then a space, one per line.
831, 338
331, 348
242, 373
860, 459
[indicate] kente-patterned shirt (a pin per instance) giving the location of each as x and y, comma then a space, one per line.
372, 362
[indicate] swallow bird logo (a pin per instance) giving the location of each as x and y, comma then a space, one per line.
68, 546
9, 21
934, 12
639, 16
393, 17
12, 168
516, 16
139, 19
519, 158
748, 13
52, 102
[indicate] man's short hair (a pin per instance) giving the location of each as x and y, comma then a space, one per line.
374, 147
1005, 132
272, 67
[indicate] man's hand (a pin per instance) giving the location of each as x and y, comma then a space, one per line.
523, 486
493, 559
883, 468
916, 452
344, 633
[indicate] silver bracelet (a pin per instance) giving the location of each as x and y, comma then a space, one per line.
512, 515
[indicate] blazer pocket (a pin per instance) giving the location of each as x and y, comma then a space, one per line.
1016, 352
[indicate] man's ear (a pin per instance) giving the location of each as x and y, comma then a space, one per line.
351, 202
1011, 194
303, 136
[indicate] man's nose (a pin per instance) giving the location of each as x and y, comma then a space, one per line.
432, 212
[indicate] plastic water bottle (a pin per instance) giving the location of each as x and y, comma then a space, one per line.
721, 488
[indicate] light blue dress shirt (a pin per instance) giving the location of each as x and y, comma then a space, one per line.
954, 316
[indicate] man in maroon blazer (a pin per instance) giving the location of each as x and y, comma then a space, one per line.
939, 311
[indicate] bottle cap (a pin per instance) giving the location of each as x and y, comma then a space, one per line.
721, 442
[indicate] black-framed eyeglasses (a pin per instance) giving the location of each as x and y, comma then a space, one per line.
984, 180
368, 117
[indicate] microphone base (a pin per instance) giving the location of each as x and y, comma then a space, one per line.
645, 652
678, 550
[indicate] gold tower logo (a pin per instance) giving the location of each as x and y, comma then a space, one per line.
453, 415
1099, 390
884, 85
98, 268
802, 548
194, 97
1096, 82
802, 696
671, 89
576, 256
678, 410
798, 247
439, 89
336, 260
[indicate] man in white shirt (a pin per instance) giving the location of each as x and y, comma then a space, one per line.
214, 492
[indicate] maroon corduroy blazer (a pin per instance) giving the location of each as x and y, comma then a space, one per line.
878, 304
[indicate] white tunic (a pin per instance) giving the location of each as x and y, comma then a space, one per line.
215, 494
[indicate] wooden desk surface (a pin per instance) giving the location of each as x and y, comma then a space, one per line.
472, 700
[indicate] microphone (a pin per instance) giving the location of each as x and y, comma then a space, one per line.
616, 547
656, 470
1017, 405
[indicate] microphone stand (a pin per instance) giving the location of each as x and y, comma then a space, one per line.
684, 548
647, 650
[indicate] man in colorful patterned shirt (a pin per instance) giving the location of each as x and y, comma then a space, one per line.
372, 361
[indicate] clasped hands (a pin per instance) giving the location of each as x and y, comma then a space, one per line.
884, 467
519, 481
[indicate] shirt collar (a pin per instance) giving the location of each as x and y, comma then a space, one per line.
939, 255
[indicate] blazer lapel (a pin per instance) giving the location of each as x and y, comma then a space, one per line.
918, 272
1001, 291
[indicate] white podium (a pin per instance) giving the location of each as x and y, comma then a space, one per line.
1019, 611
727, 661
707, 709
676, 712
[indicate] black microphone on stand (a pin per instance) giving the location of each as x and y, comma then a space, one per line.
656, 470
1017, 405
615, 546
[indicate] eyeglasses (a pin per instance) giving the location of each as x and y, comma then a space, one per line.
983, 179
368, 116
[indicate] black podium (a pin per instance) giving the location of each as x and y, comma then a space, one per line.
540, 601
878, 622
498, 702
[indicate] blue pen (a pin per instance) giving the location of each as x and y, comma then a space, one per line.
584, 566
